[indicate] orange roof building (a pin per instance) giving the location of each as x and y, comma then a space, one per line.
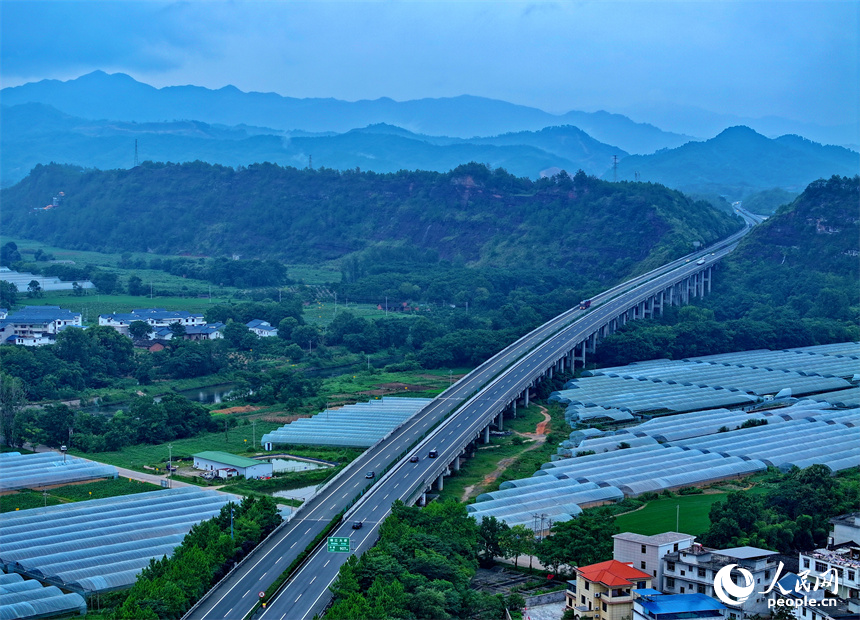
603, 591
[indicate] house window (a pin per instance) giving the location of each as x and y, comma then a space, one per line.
642, 564
643, 548
582, 596
701, 572
587, 585
682, 572
675, 547
803, 612
604, 606
670, 582
850, 574
767, 574
805, 563
683, 589
670, 566
820, 567
700, 588
640, 585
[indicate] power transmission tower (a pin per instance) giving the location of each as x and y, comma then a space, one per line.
136, 161
615, 168
311, 162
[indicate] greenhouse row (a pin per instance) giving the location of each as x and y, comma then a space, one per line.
840, 398
561, 489
101, 545
838, 360
676, 428
641, 396
355, 426
30, 471
22, 599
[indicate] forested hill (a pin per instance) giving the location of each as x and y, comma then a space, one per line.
470, 215
803, 262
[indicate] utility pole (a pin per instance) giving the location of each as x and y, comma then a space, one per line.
254, 432
615, 168
136, 161
231, 522
169, 463
311, 162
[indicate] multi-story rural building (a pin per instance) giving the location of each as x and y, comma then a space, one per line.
603, 591
693, 570
646, 552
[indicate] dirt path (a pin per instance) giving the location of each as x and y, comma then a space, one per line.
538, 437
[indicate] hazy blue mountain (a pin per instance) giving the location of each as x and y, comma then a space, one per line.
32, 134
739, 162
98, 95
698, 122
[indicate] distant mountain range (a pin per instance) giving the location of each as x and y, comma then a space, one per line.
739, 162
34, 133
64, 122
119, 97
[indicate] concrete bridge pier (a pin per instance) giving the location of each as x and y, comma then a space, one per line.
500, 421
440, 482
455, 466
486, 438
526, 397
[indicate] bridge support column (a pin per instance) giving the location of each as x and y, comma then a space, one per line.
549, 371
422, 501
486, 434
526, 397
710, 277
500, 421
440, 482
456, 464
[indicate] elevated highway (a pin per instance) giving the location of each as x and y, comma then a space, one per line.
485, 394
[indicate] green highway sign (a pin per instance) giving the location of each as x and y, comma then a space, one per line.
338, 544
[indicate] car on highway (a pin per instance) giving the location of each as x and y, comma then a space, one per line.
415, 458
433, 454
701, 261
370, 474
358, 525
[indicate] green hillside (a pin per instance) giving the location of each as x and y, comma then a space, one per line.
792, 282
468, 216
740, 162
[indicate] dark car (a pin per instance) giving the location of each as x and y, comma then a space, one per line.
357, 525
370, 474
433, 454
415, 458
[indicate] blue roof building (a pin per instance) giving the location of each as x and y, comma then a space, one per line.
37, 325
649, 604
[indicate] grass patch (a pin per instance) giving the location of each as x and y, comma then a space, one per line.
659, 515
235, 441
350, 386
99, 489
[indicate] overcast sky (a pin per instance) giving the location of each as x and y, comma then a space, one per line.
793, 59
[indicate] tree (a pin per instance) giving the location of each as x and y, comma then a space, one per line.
518, 540
491, 532
9, 254
587, 539
12, 397
135, 286
238, 336
304, 335
177, 329
77, 289
8, 294
139, 330
34, 289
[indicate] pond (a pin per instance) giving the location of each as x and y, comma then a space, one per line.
281, 465
303, 493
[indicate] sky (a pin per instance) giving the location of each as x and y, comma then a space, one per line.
798, 60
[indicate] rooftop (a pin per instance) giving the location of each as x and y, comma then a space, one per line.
612, 573
744, 553
227, 458
679, 603
41, 314
656, 539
